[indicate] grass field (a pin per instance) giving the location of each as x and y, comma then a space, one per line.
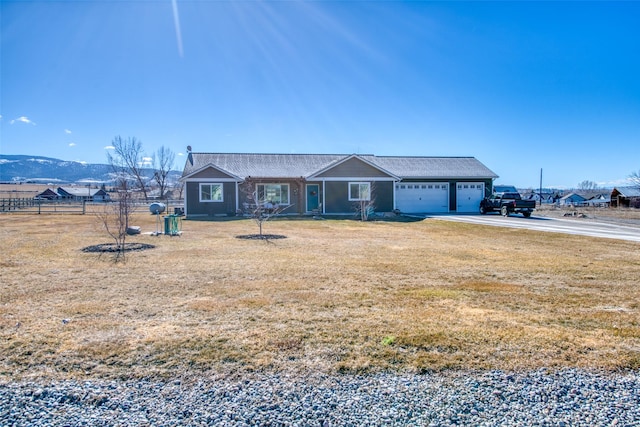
334, 296
22, 191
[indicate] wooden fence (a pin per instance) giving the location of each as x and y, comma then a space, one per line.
34, 206
79, 207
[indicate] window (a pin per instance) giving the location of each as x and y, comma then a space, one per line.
359, 191
211, 192
274, 193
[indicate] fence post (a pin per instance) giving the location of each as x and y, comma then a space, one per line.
84, 207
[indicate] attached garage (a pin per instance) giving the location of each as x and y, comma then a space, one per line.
422, 197
409, 184
468, 196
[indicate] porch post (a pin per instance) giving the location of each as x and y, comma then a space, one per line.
324, 204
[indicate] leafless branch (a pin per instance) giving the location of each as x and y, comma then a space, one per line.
128, 158
162, 164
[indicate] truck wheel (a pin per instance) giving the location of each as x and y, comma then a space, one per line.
504, 211
526, 214
482, 210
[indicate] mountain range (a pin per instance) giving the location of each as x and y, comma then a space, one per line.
46, 170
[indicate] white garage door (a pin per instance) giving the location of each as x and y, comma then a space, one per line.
422, 197
468, 196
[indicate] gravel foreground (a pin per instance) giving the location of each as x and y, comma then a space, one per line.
568, 397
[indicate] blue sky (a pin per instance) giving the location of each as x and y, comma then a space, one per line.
522, 86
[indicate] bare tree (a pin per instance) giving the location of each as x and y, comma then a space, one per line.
259, 208
178, 187
162, 164
635, 179
587, 185
115, 217
365, 207
128, 154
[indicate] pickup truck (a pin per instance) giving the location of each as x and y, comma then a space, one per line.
507, 203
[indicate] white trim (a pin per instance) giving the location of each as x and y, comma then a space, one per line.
213, 180
258, 184
359, 183
210, 184
353, 178
314, 176
231, 176
184, 197
393, 195
237, 197
324, 195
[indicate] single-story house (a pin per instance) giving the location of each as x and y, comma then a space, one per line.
599, 200
546, 197
625, 197
83, 194
218, 184
571, 199
47, 194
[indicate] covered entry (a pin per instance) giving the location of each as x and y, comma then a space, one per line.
422, 197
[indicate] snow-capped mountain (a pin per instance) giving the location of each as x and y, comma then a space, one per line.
45, 170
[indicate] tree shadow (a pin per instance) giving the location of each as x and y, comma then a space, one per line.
266, 237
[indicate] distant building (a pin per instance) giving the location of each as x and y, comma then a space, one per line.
504, 189
47, 194
628, 197
571, 199
545, 196
84, 194
599, 200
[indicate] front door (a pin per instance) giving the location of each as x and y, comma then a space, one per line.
313, 197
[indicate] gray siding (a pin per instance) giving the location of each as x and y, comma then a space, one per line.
337, 197
353, 168
210, 173
196, 208
383, 194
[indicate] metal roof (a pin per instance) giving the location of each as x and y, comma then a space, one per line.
628, 191
303, 165
80, 191
261, 165
433, 167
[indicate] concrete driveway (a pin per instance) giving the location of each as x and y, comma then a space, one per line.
609, 230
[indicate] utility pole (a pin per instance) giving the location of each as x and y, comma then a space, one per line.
540, 187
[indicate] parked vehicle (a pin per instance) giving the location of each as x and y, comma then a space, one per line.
507, 203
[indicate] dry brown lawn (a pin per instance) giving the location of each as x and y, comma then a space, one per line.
334, 296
